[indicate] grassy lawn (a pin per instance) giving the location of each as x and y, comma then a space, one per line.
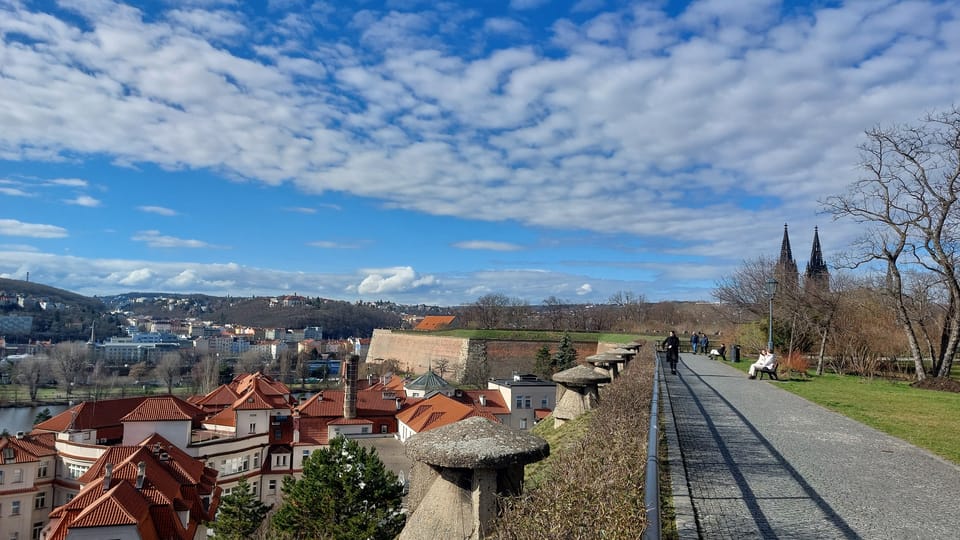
534, 335
926, 418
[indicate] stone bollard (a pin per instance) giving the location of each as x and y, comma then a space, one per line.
577, 392
459, 472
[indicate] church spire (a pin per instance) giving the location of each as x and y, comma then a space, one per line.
786, 270
816, 269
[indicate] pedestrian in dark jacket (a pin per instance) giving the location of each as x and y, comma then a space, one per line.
672, 346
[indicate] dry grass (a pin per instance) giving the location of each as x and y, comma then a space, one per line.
592, 486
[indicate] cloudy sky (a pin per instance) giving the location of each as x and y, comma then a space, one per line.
432, 151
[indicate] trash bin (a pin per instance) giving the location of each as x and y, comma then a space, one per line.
735, 356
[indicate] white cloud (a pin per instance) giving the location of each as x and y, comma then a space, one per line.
584, 289
392, 280
83, 200
328, 244
138, 277
13, 227
487, 245
14, 192
156, 240
302, 210
159, 210
69, 182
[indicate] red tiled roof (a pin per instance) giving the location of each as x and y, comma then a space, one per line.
435, 322
27, 449
493, 398
173, 481
219, 397
438, 410
350, 422
163, 408
92, 415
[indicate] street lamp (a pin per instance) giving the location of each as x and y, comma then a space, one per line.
771, 290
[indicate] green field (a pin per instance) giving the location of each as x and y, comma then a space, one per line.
536, 335
926, 418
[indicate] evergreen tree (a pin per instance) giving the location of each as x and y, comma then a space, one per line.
544, 365
239, 515
345, 493
566, 356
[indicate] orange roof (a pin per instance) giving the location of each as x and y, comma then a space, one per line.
436, 411
435, 322
329, 403
92, 415
218, 398
493, 399
172, 481
163, 408
27, 449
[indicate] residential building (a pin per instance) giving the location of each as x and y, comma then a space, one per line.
529, 399
27, 465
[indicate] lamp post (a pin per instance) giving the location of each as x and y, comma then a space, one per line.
771, 290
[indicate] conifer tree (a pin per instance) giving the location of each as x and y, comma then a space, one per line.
544, 365
345, 493
566, 356
239, 515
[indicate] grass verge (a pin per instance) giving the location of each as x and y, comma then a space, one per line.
591, 486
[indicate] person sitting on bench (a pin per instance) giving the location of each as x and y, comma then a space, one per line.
719, 352
766, 363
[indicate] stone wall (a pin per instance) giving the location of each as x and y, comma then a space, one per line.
416, 353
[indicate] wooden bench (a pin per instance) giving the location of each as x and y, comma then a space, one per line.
772, 372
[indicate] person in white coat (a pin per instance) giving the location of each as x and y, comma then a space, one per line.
766, 361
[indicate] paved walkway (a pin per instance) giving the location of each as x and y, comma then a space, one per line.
755, 461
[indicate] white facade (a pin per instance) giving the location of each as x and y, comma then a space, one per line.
523, 396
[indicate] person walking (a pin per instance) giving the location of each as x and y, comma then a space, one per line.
694, 341
704, 343
672, 346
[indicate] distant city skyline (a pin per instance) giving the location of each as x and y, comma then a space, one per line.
432, 153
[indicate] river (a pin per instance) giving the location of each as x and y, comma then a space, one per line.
14, 419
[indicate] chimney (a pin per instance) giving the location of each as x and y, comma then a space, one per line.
483, 400
107, 476
350, 387
141, 473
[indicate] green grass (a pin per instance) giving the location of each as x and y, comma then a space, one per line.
926, 418
533, 335
571, 432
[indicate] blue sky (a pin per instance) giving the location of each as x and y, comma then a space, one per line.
423, 151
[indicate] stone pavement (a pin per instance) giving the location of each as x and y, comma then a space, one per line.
756, 461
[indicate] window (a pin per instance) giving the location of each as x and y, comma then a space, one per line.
42, 471
519, 402
526, 402
523, 423
272, 485
37, 529
306, 454
75, 470
383, 428
253, 428
364, 429
15, 508
40, 501
1, 478
256, 461
277, 434
545, 403
17, 476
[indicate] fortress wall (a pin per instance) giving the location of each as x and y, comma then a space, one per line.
417, 352
505, 357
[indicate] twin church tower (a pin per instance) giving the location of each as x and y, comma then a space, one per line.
816, 275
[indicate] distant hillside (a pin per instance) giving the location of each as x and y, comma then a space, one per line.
53, 294
68, 316
338, 318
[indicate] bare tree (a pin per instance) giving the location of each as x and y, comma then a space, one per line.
555, 311
169, 369
490, 310
909, 198
630, 309
206, 373
69, 363
33, 371
746, 288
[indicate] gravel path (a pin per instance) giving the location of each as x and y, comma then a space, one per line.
755, 461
